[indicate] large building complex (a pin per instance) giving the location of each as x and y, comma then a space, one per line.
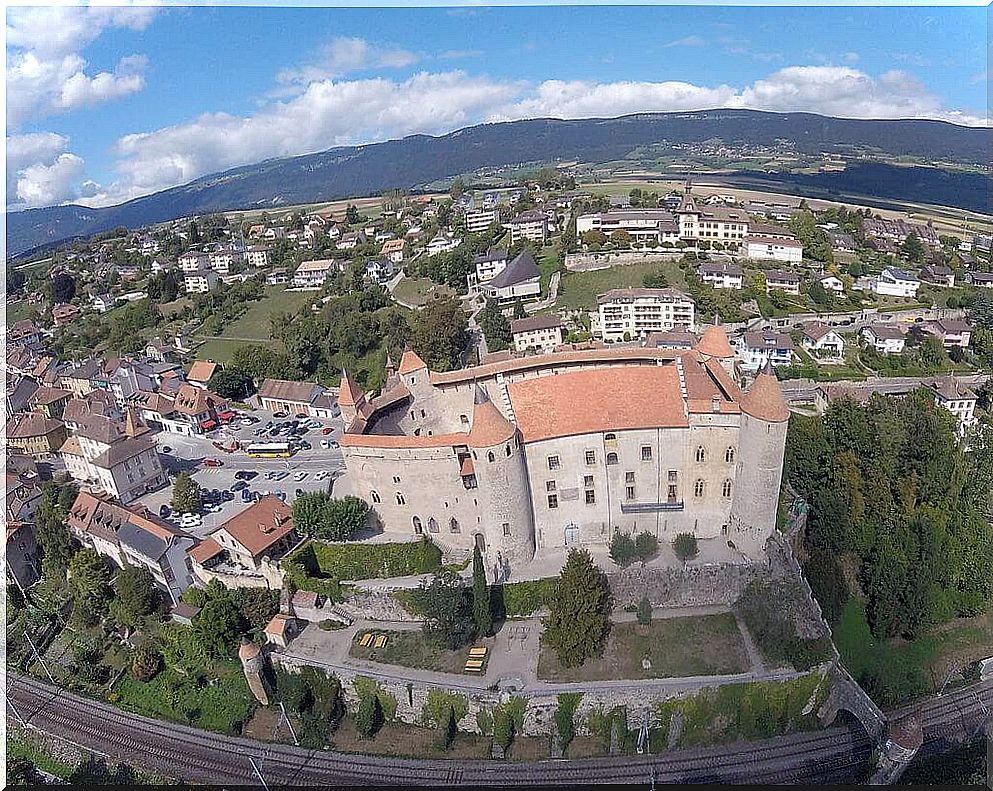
630, 313
642, 225
563, 449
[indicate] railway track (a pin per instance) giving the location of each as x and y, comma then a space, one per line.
836, 754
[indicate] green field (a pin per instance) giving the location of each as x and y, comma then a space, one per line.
17, 311
254, 322
580, 289
418, 290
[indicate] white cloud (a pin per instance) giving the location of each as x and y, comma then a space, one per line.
46, 72
343, 55
40, 171
688, 41
330, 112
851, 57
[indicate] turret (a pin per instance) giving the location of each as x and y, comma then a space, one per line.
762, 444
501, 474
714, 344
351, 398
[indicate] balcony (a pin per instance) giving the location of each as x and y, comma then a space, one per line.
651, 508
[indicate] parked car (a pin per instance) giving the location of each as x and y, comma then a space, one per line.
304, 445
280, 414
189, 520
246, 495
322, 475
245, 475
327, 430
237, 486
300, 475
164, 511
312, 424
227, 495
301, 415
213, 509
280, 475
213, 463
299, 492
325, 443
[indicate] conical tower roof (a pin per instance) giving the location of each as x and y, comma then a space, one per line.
349, 394
410, 362
764, 399
715, 342
489, 426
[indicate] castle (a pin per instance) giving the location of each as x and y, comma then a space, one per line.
562, 449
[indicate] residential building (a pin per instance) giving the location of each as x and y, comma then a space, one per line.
280, 395
958, 399
442, 243
487, 266
833, 283
898, 230
756, 350
478, 220
379, 271
35, 434
63, 315
885, 338
632, 313
721, 274
893, 282
778, 280
103, 302
200, 282
50, 401
133, 537
394, 250
716, 223
198, 408
531, 225
822, 340
682, 340
23, 497
540, 333
979, 279
520, 279
22, 555
312, 274
769, 248
563, 449
951, 332
656, 226
257, 257
842, 242
938, 274
277, 277
239, 551
193, 261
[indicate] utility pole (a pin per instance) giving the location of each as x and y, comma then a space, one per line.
258, 773
285, 716
38, 656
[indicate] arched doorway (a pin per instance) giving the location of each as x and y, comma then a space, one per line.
571, 534
480, 542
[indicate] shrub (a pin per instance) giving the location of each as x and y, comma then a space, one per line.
320, 515
565, 716
368, 688
369, 718
503, 728
484, 721
685, 546
440, 703
449, 729
644, 615
521, 599
622, 549
447, 607
646, 546
145, 663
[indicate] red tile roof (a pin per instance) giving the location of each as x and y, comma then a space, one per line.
261, 525
410, 362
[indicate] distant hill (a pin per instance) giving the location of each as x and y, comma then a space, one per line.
367, 170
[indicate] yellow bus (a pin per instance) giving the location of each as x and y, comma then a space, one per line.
269, 450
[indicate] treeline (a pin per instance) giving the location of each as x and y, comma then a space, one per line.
895, 495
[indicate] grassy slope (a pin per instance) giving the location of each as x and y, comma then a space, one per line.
580, 289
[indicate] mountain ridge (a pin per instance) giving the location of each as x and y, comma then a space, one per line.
353, 171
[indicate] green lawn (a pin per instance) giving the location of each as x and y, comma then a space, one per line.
580, 289
19, 310
548, 264
676, 647
410, 648
254, 322
418, 290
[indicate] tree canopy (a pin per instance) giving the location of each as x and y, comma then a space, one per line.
579, 606
320, 515
186, 497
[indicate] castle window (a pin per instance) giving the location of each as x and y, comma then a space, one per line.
629, 477
418, 527
506, 528
590, 497
699, 487
729, 455
432, 525
464, 419
611, 458
396, 479
423, 413
590, 457
490, 456
549, 486
374, 495
588, 481
508, 450
553, 501
400, 499
673, 476
553, 462
630, 493
454, 525
726, 488
413, 416
701, 454
646, 452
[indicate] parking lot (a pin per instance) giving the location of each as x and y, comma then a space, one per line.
307, 470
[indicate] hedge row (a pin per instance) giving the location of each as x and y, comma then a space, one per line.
523, 599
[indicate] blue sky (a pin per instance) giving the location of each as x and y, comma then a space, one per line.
123, 102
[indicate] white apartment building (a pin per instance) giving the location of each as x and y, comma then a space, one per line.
757, 349
768, 248
721, 274
312, 274
642, 225
442, 243
193, 261
540, 333
635, 312
478, 220
200, 282
777, 280
957, 399
257, 257
893, 282
531, 225
723, 224
221, 261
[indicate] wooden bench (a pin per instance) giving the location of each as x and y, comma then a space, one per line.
366, 639
381, 641
479, 652
474, 666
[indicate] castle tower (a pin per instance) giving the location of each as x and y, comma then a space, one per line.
413, 371
252, 663
503, 491
761, 446
715, 344
350, 398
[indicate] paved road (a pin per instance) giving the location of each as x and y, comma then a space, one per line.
835, 754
